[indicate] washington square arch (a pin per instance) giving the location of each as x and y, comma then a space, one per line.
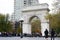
36, 11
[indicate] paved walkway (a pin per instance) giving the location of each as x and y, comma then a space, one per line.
38, 38
26, 38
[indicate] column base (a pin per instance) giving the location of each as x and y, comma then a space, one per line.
44, 26
27, 28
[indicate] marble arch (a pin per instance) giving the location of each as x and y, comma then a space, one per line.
38, 10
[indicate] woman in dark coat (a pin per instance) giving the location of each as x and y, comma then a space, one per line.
46, 34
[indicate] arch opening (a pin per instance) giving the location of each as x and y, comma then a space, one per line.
35, 24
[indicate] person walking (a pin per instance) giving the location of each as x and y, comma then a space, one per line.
46, 34
52, 34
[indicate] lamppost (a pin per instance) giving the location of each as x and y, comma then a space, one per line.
21, 24
17, 26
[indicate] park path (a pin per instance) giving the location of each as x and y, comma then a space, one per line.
26, 38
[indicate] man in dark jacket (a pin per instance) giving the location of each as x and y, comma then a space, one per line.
52, 34
46, 34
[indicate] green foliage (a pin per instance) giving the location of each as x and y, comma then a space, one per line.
5, 25
36, 26
54, 21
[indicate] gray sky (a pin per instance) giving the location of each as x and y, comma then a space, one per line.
6, 6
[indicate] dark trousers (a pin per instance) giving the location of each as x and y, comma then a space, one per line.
52, 38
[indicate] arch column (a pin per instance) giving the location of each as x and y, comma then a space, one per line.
44, 25
27, 28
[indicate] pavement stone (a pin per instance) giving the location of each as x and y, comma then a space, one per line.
26, 38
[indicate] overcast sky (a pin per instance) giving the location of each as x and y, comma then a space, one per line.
6, 6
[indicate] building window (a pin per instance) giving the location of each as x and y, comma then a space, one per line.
24, 3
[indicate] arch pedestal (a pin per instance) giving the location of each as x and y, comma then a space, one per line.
43, 27
26, 28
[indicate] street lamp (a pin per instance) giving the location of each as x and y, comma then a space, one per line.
21, 23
